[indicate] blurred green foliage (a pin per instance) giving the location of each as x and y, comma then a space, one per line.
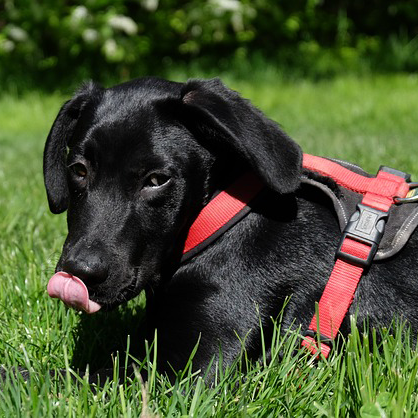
45, 42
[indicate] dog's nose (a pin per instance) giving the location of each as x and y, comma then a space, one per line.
91, 269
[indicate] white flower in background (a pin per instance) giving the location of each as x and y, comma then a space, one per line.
79, 14
110, 48
6, 45
227, 5
123, 23
237, 10
90, 36
17, 34
150, 5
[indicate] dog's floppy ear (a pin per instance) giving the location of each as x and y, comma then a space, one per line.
236, 125
55, 151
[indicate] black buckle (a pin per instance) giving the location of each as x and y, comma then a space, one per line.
367, 226
315, 335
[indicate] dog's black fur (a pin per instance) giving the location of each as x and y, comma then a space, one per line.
126, 235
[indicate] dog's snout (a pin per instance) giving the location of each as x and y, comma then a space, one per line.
90, 268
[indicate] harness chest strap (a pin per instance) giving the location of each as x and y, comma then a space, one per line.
358, 244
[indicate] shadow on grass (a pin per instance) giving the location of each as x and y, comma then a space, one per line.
99, 338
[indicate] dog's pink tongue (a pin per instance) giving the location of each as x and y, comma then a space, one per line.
72, 291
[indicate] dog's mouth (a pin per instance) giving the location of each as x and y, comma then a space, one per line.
72, 291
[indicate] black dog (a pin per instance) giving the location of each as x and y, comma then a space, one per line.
135, 164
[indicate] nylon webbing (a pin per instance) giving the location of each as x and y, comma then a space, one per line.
222, 209
378, 193
338, 294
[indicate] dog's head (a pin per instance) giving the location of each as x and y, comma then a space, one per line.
134, 164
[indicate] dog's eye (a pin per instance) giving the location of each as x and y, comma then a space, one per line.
156, 180
79, 169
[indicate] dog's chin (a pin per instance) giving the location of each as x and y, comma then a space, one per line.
114, 297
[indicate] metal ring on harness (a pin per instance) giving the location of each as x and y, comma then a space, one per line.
411, 197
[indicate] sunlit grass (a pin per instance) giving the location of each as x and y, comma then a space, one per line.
370, 121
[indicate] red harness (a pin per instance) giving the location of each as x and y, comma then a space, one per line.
358, 245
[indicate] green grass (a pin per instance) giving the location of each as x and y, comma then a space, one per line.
370, 121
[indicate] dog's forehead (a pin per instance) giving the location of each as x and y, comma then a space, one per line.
129, 126
119, 102
129, 107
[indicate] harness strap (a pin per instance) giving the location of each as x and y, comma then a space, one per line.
355, 253
379, 191
221, 213
357, 248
